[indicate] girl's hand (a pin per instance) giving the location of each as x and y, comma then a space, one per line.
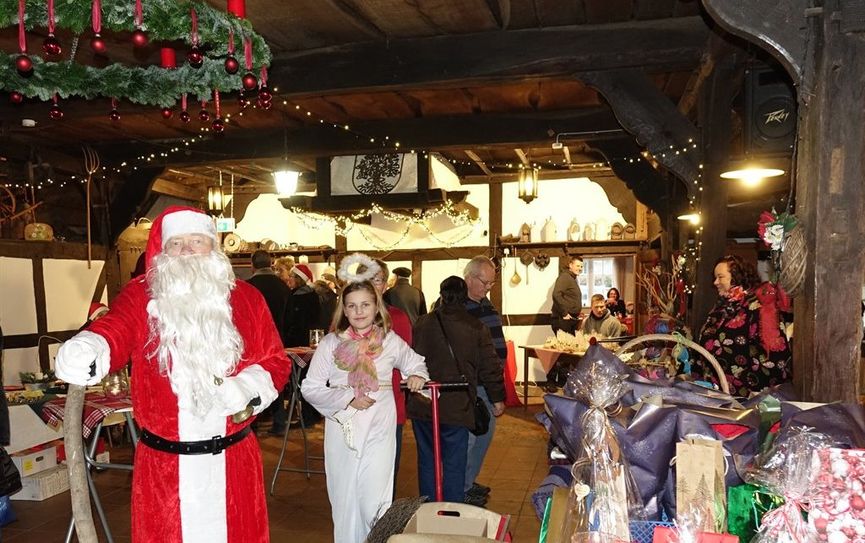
415, 383
362, 403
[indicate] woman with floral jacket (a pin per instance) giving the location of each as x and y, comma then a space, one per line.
745, 329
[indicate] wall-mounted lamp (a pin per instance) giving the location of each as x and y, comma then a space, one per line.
286, 182
751, 174
215, 200
528, 184
693, 218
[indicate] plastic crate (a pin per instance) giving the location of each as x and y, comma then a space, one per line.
642, 530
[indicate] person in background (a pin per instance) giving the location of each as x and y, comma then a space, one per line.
201, 355
615, 303
276, 293
476, 362
301, 315
282, 266
405, 296
601, 321
350, 382
480, 276
274, 289
402, 327
745, 330
566, 313
327, 300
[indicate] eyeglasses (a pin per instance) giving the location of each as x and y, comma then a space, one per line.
487, 284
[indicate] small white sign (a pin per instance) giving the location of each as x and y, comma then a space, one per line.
225, 224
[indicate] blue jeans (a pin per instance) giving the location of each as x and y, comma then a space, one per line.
454, 444
478, 445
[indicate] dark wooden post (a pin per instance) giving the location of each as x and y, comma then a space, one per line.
830, 197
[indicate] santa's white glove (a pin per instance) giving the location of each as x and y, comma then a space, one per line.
83, 360
235, 392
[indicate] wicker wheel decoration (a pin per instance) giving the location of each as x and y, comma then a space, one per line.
794, 257
722, 378
7, 204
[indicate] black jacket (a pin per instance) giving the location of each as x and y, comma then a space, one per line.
276, 294
406, 297
478, 363
327, 301
567, 298
301, 316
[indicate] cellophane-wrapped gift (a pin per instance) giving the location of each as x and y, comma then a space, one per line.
838, 504
604, 496
746, 506
785, 470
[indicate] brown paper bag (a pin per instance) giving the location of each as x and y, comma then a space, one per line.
700, 482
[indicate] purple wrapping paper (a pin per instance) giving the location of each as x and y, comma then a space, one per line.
844, 423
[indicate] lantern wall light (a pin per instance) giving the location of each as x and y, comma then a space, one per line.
215, 200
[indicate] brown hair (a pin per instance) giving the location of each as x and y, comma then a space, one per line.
597, 298
340, 321
742, 274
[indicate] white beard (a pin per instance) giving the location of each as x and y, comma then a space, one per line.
193, 336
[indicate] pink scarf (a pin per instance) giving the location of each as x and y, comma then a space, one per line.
356, 354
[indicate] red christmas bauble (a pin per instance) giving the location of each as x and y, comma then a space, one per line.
204, 115
98, 44
16, 97
51, 46
24, 65
139, 38
184, 116
264, 104
55, 113
167, 112
218, 125
114, 115
264, 93
231, 65
194, 57
249, 81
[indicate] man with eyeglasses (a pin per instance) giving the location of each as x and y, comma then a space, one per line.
480, 276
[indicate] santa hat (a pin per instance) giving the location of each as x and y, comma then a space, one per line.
302, 271
96, 310
178, 221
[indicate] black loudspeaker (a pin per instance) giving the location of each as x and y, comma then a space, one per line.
770, 111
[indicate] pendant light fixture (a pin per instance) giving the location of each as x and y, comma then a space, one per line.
528, 184
285, 177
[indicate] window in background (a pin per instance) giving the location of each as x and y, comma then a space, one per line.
599, 275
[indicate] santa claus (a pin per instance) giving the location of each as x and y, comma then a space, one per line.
200, 353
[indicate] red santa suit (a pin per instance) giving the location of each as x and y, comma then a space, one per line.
201, 497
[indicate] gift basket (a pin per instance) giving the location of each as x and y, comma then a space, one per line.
658, 356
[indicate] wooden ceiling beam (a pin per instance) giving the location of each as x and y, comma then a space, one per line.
357, 20
433, 133
522, 156
501, 12
467, 59
177, 190
479, 161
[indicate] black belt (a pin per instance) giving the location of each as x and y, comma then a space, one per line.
214, 445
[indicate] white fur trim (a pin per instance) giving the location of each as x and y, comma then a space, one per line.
258, 379
202, 480
187, 222
348, 264
76, 356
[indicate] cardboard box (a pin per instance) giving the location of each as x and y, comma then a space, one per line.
446, 518
43, 485
35, 460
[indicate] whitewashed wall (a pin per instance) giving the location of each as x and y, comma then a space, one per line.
69, 286
265, 218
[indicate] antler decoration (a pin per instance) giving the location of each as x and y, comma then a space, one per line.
91, 165
661, 287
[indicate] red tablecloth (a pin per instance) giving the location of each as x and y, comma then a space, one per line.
97, 406
301, 356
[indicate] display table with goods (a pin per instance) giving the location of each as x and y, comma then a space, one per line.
634, 459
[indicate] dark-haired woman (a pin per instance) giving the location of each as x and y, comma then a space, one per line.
615, 303
745, 329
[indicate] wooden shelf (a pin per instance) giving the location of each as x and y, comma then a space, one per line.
609, 246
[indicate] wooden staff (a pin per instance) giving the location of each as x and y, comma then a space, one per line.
74, 443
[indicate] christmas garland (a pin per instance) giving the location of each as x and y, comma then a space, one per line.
164, 20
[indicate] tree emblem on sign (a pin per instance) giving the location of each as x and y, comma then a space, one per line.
377, 174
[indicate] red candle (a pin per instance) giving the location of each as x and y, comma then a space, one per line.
169, 59
237, 8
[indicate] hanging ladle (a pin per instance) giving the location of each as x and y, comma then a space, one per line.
515, 278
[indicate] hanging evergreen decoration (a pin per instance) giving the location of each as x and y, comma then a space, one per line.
160, 21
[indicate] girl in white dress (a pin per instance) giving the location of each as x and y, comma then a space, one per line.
349, 382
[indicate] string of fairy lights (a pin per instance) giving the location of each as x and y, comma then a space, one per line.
343, 225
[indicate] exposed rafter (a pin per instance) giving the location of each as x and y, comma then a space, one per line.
479, 161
